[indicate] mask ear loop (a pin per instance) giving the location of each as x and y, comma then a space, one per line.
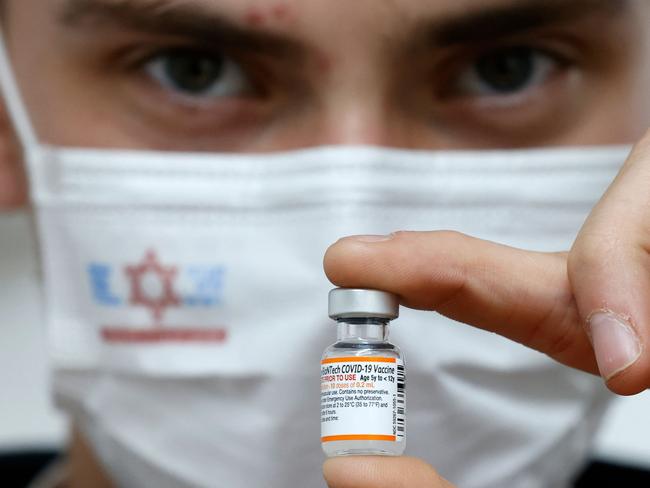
14, 103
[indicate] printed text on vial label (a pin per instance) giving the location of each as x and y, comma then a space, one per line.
362, 398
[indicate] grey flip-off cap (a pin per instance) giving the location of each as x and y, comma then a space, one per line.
359, 303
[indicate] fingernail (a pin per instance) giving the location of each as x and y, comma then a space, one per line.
372, 238
615, 342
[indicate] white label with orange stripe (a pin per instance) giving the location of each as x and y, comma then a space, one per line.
362, 398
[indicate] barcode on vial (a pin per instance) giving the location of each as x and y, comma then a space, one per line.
401, 400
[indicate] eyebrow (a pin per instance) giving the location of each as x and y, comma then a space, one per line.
196, 21
175, 18
513, 18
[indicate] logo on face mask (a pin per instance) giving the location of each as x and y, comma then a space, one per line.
162, 279
158, 288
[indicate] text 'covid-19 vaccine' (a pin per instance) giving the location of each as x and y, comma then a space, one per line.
362, 377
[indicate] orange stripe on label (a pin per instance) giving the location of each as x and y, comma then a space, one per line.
354, 359
358, 437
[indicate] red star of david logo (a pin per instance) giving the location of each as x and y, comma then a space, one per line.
157, 274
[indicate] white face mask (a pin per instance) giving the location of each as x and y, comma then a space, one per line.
186, 306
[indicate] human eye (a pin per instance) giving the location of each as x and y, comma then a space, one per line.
183, 94
196, 76
506, 72
511, 93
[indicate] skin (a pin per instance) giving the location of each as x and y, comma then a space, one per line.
354, 78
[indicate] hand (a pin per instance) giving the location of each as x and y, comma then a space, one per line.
588, 308
381, 472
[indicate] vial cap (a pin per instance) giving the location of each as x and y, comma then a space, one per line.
360, 303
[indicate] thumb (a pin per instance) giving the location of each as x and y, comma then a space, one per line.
381, 472
609, 271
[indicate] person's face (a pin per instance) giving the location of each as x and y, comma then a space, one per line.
262, 75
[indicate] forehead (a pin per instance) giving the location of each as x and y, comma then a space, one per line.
300, 17
331, 25
282, 8
333, 13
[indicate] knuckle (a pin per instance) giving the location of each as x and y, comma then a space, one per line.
454, 247
451, 238
431, 267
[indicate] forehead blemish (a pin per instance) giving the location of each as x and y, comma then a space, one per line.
281, 11
254, 17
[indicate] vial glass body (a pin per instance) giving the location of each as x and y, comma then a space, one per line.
363, 391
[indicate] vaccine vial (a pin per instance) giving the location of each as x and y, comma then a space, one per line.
362, 377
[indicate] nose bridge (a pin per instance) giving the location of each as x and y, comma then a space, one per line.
356, 121
362, 101
356, 86
369, 115
354, 106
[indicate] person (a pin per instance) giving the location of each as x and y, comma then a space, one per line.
170, 405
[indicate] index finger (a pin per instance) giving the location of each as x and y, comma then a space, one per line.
524, 296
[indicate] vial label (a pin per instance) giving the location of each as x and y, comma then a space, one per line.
362, 398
